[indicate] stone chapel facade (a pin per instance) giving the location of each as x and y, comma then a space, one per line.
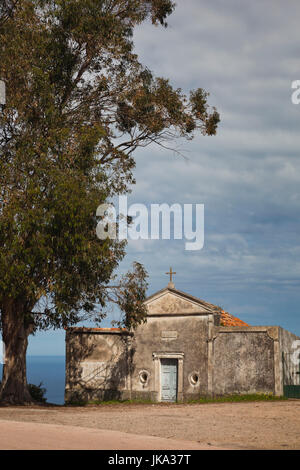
187, 348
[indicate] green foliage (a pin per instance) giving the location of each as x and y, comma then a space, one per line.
37, 392
79, 103
235, 398
130, 297
238, 398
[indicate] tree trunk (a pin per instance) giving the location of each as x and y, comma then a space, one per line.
14, 389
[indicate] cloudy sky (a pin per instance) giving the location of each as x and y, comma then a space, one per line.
246, 55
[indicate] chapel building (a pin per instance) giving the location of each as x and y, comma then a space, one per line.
188, 348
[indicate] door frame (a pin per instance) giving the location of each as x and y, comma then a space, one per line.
291, 375
157, 356
165, 365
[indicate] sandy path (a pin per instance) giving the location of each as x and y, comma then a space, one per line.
257, 425
37, 436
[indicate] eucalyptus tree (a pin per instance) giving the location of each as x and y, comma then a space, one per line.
78, 104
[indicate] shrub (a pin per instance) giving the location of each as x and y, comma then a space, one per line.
37, 392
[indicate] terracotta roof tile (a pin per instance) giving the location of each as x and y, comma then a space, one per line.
229, 320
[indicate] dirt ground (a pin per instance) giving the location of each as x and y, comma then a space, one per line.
255, 425
16, 435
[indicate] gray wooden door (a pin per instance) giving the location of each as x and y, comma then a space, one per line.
169, 379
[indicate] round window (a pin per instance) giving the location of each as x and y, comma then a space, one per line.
194, 378
144, 376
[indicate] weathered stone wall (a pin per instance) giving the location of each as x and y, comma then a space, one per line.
286, 339
289, 348
176, 335
243, 360
97, 365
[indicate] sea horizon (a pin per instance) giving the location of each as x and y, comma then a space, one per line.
48, 370
45, 355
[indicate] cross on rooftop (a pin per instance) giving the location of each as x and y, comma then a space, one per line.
171, 272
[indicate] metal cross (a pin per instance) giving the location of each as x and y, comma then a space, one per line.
171, 274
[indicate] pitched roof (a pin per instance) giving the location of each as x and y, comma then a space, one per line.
226, 318
229, 320
206, 305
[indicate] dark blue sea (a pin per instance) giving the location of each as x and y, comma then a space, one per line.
50, 370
